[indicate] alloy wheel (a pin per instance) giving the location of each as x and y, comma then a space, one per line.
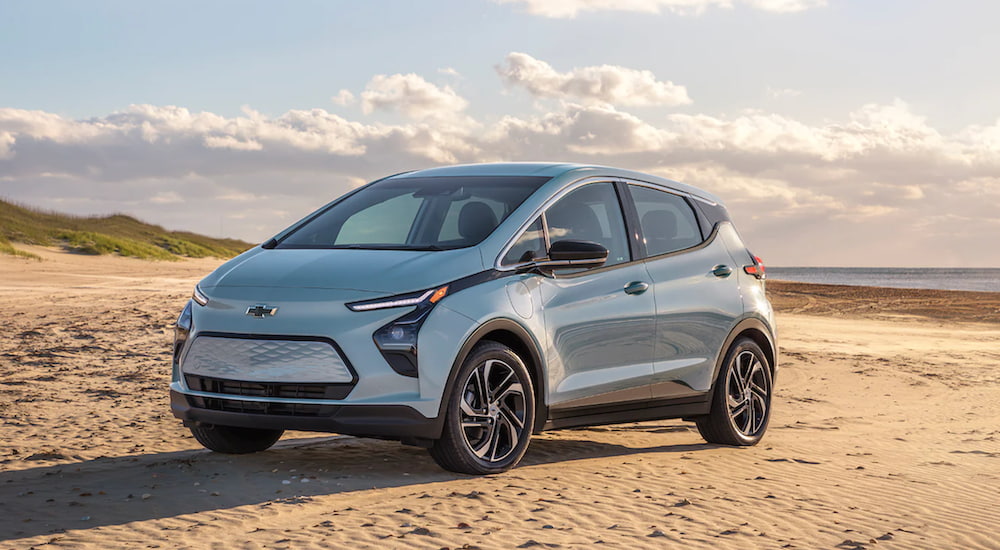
493, 411
748, 393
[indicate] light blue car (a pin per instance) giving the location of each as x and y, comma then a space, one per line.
463, 308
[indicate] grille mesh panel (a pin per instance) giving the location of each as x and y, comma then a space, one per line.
264, 360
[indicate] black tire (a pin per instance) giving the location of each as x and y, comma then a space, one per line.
487, 436
235, 441
741, 401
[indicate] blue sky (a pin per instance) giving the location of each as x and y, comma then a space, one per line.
840, 132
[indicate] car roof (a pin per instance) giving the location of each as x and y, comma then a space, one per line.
552, 170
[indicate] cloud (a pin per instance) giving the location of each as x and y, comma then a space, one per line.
572, 8
343, 97
412, 96
869, 189
6, 143
782, 93
601, 83
166, 197
877, 186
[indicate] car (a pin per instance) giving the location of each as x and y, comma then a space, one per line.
465, 308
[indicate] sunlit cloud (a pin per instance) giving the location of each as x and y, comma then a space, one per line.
572, 8
601, 83
802, 193
412, 96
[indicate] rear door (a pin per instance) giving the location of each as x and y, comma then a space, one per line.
696, 290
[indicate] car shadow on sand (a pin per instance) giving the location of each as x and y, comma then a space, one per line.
118, 490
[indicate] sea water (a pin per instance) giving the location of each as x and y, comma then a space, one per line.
982, 279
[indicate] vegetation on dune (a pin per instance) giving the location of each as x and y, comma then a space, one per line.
86, 242
117, 234
6, 248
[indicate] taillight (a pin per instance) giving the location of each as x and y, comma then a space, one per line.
756, 268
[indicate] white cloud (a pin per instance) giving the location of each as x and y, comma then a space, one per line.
785, 6
449, 71
782, 93
880, 185
572, 8
411, 95
602, 83
6, 144
230, 142
166, 197
343, 97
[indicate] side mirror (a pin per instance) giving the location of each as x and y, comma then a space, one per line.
569, 254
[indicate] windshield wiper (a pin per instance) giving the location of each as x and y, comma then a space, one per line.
429, 247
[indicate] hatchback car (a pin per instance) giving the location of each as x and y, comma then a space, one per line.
464, 308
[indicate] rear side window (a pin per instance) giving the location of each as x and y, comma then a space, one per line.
712, 214
667, 221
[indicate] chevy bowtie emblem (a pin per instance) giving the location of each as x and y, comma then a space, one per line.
260, 311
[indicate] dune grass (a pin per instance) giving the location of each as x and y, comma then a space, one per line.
116, 234
7, 248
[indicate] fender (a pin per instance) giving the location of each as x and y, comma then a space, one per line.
768, 346
535, 366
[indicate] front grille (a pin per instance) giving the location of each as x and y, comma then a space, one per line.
261, 407
257, 358
267, 389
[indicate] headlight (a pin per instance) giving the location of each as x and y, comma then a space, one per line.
397, 341
181, 332
428, 297
199, 296
184, 320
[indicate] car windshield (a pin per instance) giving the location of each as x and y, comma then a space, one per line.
432, 213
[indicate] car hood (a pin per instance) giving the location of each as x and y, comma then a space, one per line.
387, 271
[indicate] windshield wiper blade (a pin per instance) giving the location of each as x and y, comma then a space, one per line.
430, 247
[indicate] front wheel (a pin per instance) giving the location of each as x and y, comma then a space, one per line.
741, 402
489, 415
233, 440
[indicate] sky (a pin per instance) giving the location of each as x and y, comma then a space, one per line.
838, 132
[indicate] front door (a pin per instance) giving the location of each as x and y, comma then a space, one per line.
600, 322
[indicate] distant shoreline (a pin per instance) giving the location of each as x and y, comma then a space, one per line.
935, 278
838, 300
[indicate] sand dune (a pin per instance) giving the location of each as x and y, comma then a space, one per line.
885, 434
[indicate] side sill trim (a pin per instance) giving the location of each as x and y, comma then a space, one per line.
637, 411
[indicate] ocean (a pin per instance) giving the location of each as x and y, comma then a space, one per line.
981, 279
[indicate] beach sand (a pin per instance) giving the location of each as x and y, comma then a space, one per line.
885, 433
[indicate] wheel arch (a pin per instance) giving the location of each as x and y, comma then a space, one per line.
513, 335
760, 333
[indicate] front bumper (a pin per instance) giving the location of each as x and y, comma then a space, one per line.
382, 421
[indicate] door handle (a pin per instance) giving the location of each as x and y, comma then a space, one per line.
722, 271
636, 287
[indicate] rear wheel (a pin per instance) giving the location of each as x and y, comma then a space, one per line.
741, 404
490, 413
233, 440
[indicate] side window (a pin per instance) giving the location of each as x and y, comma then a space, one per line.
529, 246
591, 213
667, 221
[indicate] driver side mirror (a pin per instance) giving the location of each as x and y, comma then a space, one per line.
573, 254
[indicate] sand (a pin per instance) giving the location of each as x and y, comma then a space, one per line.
885, 434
